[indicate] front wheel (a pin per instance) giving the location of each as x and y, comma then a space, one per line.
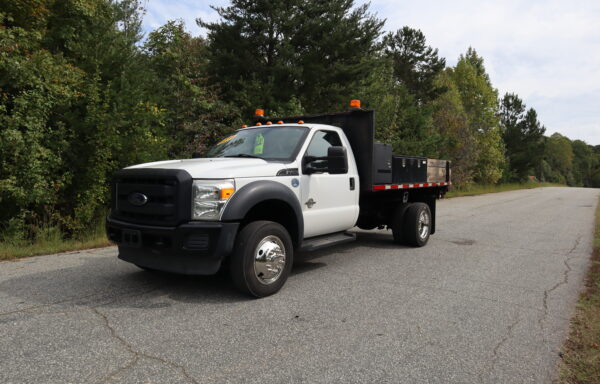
262, 258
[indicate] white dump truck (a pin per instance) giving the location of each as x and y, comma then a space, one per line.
282, 185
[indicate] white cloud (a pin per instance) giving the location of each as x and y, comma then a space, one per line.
548, 52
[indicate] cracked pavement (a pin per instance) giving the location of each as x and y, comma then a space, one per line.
488, 300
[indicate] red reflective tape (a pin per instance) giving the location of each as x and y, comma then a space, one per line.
378, 187
394, 186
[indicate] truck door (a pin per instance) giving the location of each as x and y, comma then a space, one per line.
329, 201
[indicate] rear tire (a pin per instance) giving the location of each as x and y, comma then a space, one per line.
262, 258
417, 223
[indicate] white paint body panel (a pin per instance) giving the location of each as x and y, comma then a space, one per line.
336, 207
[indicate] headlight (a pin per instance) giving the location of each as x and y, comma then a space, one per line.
209, 198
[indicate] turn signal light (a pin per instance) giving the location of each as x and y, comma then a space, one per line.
259, 112
226, 193
355, 104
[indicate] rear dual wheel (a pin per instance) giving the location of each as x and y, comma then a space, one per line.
411, 224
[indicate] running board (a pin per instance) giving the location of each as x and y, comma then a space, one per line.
325, 241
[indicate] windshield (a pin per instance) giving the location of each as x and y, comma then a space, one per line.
268, 143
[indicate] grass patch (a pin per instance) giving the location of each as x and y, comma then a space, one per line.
51, 241
581, 356
480, 189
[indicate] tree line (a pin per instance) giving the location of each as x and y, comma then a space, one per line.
83, 93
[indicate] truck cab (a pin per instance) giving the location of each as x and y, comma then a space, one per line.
278, 186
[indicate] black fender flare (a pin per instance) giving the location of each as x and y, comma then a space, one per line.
258, 191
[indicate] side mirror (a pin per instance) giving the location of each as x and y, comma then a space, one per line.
337, 160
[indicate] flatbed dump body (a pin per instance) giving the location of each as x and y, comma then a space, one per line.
379, 169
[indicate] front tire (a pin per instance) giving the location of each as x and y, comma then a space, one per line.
262, 258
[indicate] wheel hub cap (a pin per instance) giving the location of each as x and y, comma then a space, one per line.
269, 259
423, 225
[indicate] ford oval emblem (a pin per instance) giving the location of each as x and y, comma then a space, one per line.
138, 199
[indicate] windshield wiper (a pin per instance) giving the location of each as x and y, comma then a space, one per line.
244, 155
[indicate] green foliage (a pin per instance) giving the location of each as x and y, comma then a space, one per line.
480, 102
416, 65
82, 95
523, 136
559, 157
270, 54
452, 121
194, 115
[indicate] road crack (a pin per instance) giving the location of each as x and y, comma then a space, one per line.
496, 356
564, 281
136, 355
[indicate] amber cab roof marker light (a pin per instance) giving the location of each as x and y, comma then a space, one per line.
244, 126
355, 104
259, 112
300, 121
258, 123
269, 123
280, 122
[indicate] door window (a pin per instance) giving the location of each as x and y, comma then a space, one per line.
321, 141
319, 145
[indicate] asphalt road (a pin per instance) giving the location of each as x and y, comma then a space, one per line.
487, 300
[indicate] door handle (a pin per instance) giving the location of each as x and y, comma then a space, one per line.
352, 186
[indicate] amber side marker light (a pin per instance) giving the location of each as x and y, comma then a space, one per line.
259, 112
226, 193
355, 104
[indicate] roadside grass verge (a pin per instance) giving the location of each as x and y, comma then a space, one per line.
480, 189
52, 241
581, 356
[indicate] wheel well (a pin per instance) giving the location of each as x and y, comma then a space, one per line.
278, 211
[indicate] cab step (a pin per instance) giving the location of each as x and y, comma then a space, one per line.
324, 241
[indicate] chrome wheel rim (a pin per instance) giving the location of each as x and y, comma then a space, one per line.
269, 259
423, 225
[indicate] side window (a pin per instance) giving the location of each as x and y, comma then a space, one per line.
321, 141
318, 146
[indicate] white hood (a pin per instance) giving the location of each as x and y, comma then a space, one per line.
219, 168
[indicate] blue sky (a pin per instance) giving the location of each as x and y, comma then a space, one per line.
548, 52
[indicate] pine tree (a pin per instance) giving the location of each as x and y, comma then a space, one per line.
270, 54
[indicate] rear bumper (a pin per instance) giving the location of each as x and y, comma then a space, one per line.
195, 248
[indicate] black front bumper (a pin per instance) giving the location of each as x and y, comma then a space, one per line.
195, 248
